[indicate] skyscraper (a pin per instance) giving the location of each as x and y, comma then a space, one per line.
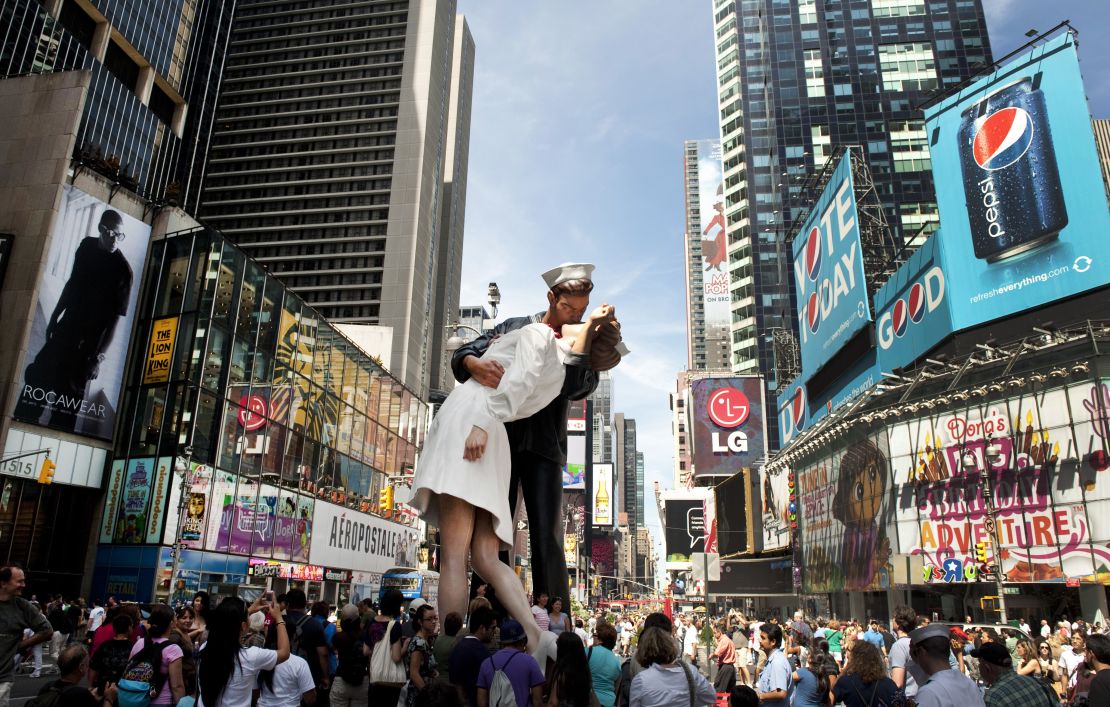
796, 79
629, 474
706, 248
338, 125
155, 73
602, 423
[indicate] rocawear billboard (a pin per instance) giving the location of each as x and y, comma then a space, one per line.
72, 375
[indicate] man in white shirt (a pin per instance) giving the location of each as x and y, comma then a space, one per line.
1046, 630
292, 684
690, 641
96, 616
1070, 660
1025, 627
931, 650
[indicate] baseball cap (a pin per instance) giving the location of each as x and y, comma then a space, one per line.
349, 612
416, 604
512, 632
993, 653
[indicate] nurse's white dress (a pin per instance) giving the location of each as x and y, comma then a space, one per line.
533, 359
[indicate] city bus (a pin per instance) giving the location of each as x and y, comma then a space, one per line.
412, 582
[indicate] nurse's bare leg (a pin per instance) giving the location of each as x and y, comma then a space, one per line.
483, 553
456, 529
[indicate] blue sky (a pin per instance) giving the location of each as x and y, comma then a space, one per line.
580, 111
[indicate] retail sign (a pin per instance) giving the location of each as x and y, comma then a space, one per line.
728, 426
828, 272
346, 538
775, 509
159, 357
259, 568
1015, 167
334, 575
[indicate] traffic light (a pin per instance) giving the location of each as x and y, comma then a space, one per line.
46, 472
981, 552
385, 501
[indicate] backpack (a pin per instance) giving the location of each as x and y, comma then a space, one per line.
142, 679
351, 665
382, 667
51, 694
295, 639
501, 692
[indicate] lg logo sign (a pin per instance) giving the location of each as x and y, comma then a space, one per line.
729, 407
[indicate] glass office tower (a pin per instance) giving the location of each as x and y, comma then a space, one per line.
156, 70
797, 78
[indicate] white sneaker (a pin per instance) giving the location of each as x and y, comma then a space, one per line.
36, 674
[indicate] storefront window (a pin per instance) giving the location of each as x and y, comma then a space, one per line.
216, 358
175, 276
206, 428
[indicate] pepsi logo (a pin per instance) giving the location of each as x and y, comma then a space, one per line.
813, 313
900, 317
1002, 138
253, 414
813, 253
798, 407
923, 297
917, 302
728, 407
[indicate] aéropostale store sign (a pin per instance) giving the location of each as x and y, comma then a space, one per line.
344, 538
1045, 456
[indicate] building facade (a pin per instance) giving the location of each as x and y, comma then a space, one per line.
602, 424
256, 435
155, 71
338, 127
796, 79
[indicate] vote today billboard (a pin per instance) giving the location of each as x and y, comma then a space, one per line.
1023, 216
729, 429
828, 272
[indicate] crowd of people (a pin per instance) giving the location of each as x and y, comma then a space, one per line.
282, 651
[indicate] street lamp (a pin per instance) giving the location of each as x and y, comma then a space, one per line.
455, 342
182, 466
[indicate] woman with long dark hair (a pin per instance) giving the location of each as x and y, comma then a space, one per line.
419, 662
352, 659
812, 682
228, 671
571, 684
169, 665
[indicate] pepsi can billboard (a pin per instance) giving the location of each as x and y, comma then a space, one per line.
729, 430
828, 272
1015, 167
912, 310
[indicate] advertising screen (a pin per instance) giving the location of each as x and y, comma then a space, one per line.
732, 520
1020, 194
828, 272
574, 472
775, 509
729, 432
753, 577
685, 532
77, 349
714, 239
604, 496
798, 410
